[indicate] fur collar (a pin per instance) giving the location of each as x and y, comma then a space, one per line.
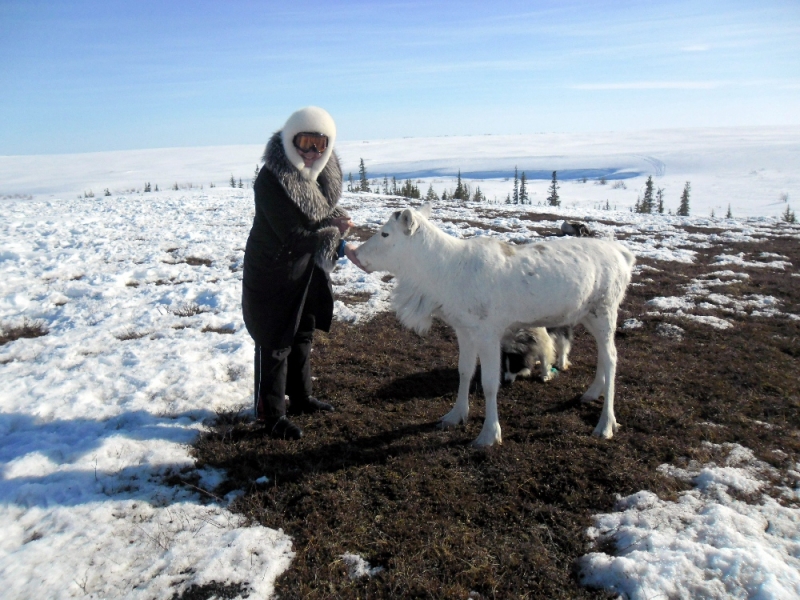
316, 199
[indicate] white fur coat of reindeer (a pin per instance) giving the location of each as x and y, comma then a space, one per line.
482, 287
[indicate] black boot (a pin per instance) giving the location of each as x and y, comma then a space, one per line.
308, 406
283, 429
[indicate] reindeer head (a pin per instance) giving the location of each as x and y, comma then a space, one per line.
390, 247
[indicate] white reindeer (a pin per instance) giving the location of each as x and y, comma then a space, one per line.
482, 287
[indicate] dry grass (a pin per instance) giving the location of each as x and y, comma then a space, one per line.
220, 330
28, 329
131, 334
354, 298
188, 309
195, 261
214, 589
379, 479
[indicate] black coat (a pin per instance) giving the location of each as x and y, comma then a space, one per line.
291, 249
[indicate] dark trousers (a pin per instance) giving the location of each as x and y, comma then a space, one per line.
283, 371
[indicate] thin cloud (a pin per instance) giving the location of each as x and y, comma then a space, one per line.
685, 85
652, 85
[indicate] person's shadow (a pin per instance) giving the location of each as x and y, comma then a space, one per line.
65, 450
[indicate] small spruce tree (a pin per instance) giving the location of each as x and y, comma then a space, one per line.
460, 193
232, 181
683, 208
255, 175
409, 190
107, 193
156, 188
431, 195
788, 215
647, 202
362, 174
660, 201
729, 214
241, 185
552, 198
523, 190
385, 185
516, 186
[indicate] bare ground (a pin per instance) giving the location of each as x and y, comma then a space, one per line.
377, 478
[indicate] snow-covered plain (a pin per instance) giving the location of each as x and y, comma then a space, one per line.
140, 296
750, 169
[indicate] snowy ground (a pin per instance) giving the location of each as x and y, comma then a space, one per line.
708, 544
140, 295
750, 169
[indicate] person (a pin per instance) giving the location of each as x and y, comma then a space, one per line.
297, 236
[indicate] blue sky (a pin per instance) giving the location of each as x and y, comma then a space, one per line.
95, 76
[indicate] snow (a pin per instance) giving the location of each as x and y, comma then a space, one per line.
739, 260
96, 414
707, 544
357, 567
140, 295
699, 296
751, 169
632, 324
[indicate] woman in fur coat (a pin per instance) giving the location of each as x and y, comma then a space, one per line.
297, 236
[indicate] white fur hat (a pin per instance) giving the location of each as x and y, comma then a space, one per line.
310, 119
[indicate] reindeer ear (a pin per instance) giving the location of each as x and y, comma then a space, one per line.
408, 221
425, 210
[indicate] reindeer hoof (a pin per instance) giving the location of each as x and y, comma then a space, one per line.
479, 444
452, 419
488, 437
606, 432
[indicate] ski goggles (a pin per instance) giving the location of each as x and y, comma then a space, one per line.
305, 142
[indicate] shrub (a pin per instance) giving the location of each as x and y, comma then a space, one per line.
28, 329
188, 309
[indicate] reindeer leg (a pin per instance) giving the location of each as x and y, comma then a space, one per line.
602, 328
467, 354
489, 352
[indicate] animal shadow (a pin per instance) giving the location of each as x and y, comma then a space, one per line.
429, 384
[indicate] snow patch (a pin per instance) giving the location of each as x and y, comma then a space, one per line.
357, 567
707, 544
